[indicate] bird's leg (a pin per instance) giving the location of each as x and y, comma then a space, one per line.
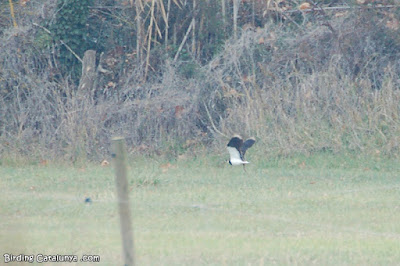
244, 168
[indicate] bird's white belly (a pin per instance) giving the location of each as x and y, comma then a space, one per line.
238, 162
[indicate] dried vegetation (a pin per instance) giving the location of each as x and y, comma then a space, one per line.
304, 82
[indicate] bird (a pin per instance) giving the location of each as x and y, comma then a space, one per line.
237, 149
88, 200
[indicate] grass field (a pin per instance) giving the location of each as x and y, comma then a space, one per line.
320, 210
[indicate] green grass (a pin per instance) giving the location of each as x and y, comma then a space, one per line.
321, 210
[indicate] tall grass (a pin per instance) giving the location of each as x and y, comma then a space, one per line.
323, 87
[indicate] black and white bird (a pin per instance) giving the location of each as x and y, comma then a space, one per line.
237, 149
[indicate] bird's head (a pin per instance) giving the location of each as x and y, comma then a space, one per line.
229, 161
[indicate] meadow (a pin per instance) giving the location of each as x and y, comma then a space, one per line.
324, 209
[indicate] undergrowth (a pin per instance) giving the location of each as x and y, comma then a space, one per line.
329, 86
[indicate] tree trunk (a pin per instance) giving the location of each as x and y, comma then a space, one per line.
167, 24
236, 4
139, 31
149, 39
223, 14
194, 30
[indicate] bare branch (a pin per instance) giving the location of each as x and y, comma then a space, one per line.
212, 122
13, 14
338, 8
61, 41
183, 41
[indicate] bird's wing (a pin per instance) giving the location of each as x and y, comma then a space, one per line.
247, 144
234, 154
236, 142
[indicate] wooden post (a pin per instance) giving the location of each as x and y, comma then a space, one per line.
123, 199
88, 74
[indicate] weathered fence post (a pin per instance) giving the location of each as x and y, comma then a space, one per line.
123, 199
89, 75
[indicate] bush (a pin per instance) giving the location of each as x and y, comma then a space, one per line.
318, 86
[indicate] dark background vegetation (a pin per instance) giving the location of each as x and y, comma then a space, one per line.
302, 77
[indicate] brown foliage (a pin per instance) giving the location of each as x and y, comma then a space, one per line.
316, 83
